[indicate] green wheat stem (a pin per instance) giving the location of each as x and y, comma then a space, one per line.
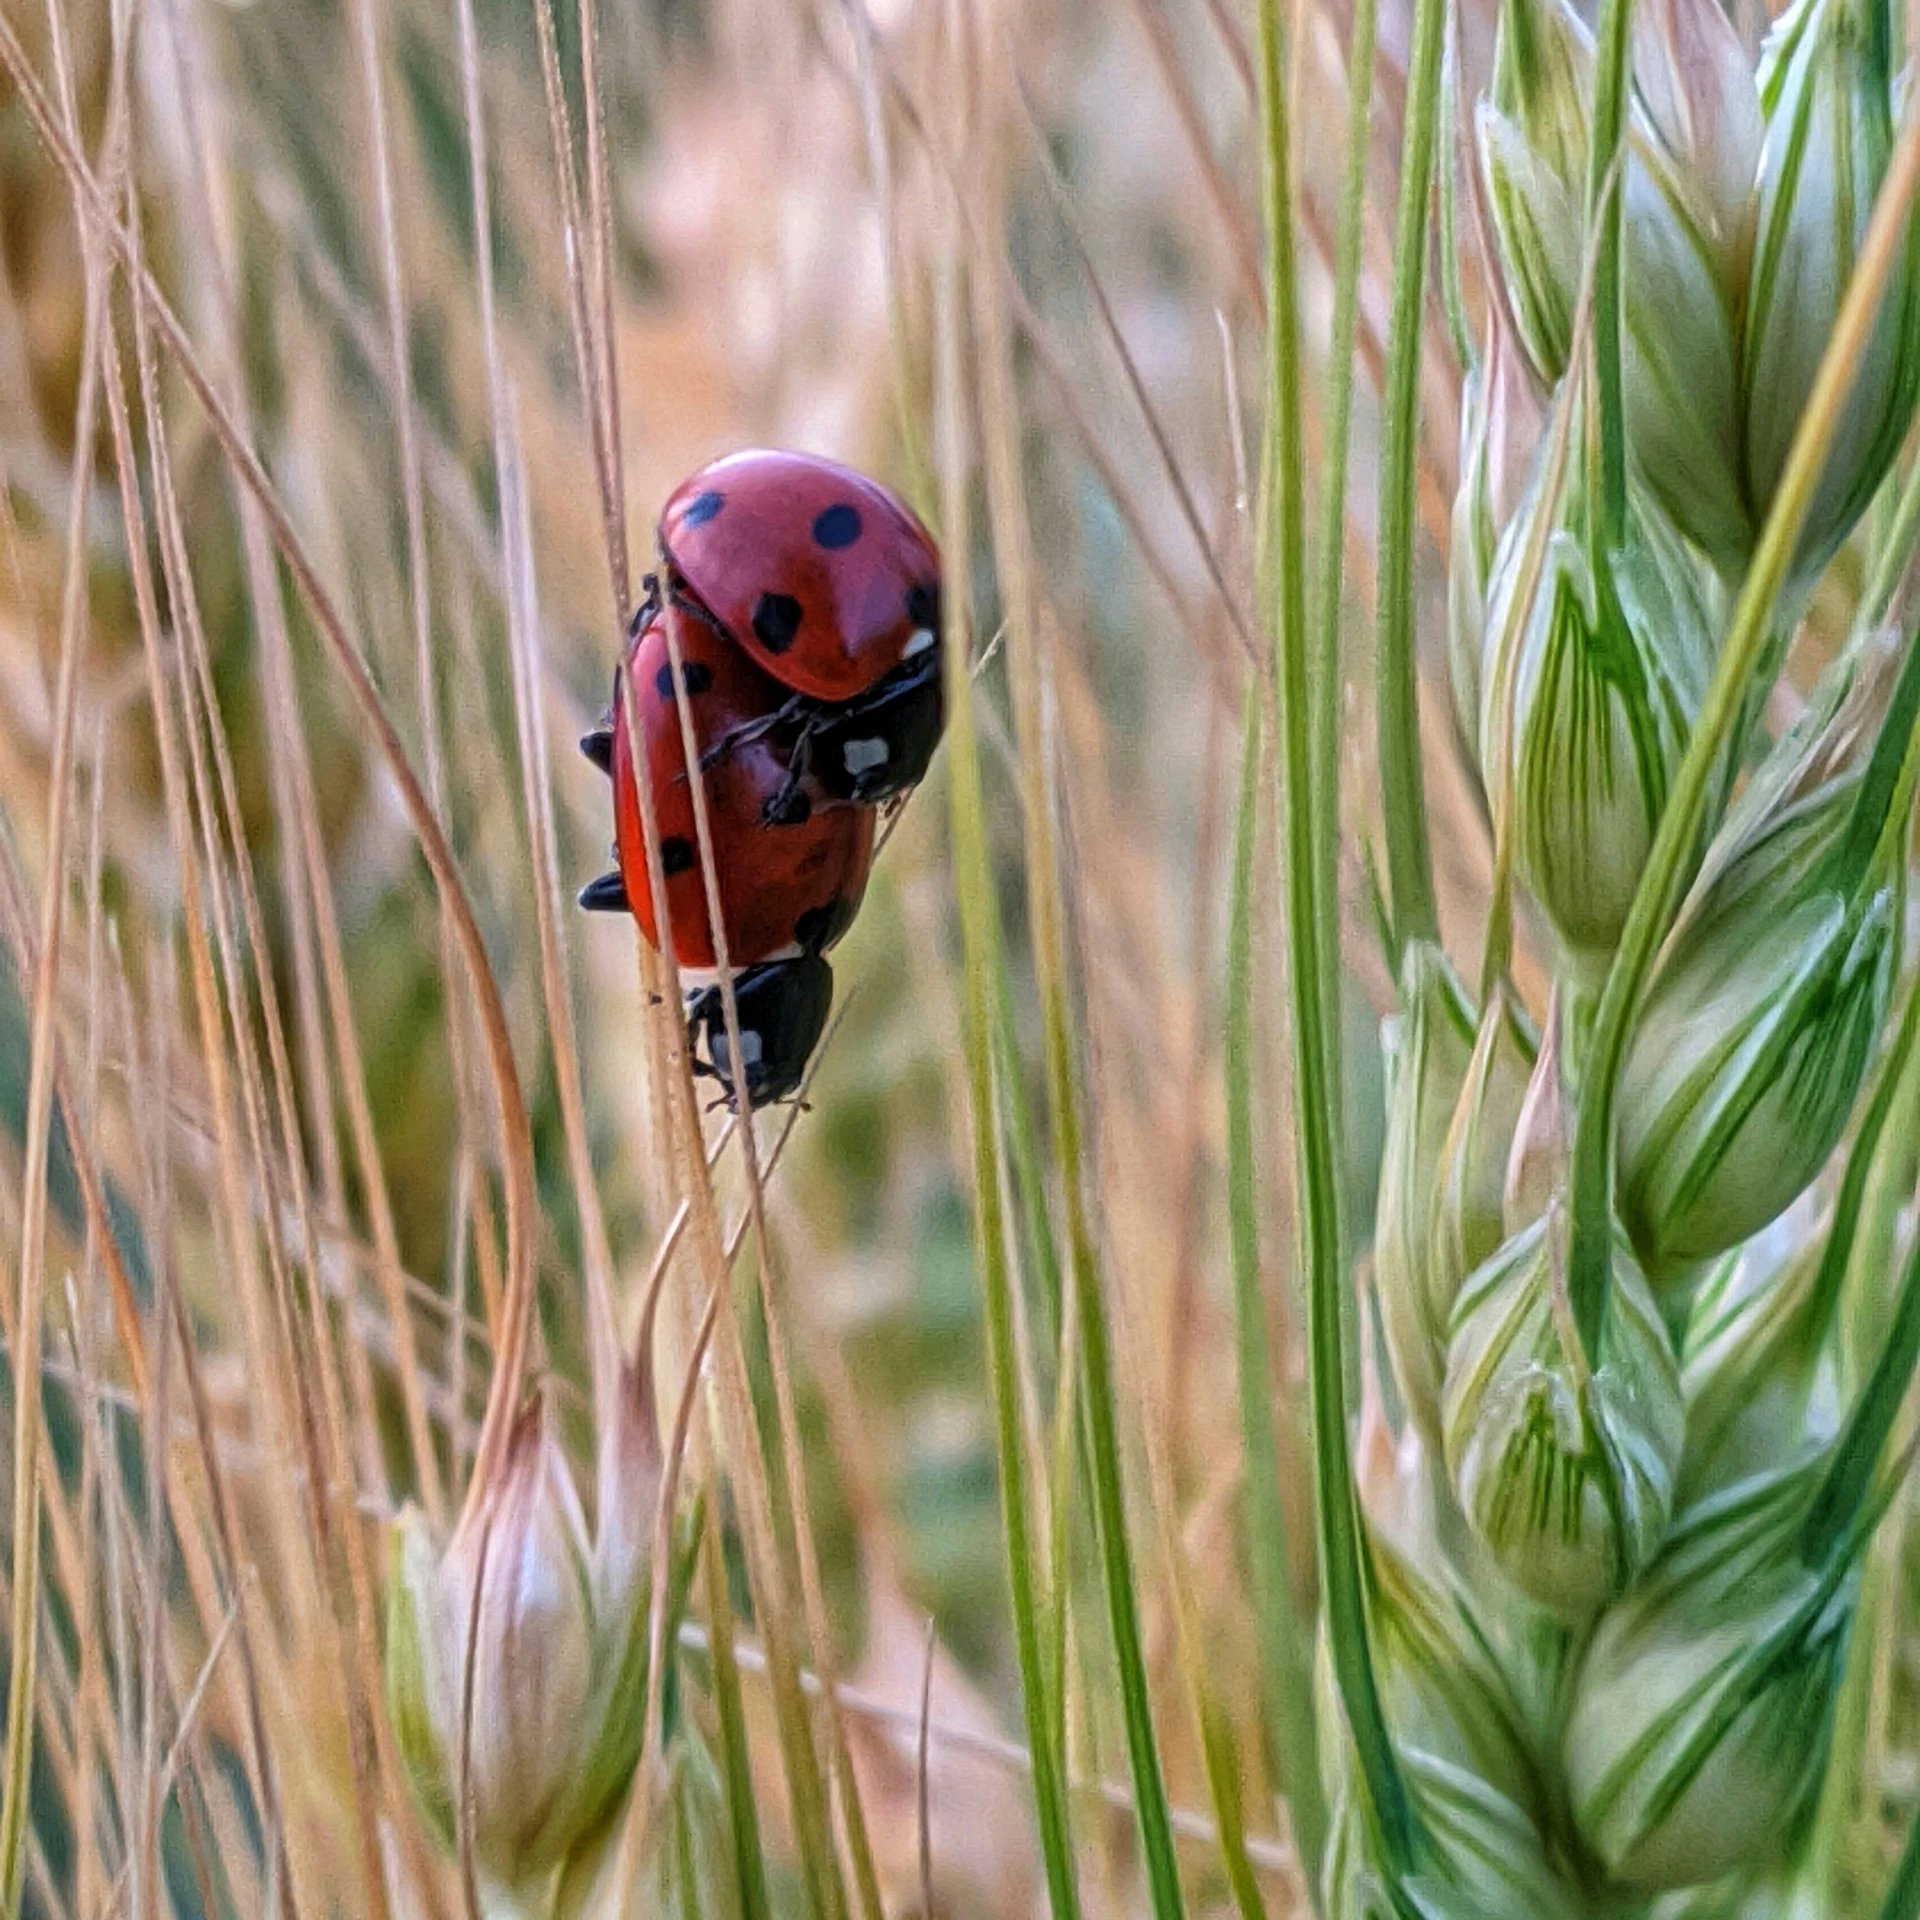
1285, 1667
1402, 781
1606, 209
982, 963
743, 1825
1590, 1255
1903, 1894
1325, 669
1894, 550
1856, 1455
1109, 1499
1315, 1037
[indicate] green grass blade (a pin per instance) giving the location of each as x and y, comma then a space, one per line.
982, 964
1315, 1028
1903, 1896
1023, 1151
743, 1824
1325, 672
1609, 128
1402, 783
1286, 1671
1116, 1564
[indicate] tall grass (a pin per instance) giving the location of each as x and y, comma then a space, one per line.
1019, 1424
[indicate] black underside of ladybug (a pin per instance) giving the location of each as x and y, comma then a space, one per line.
782, 1007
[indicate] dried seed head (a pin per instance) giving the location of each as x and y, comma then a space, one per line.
1429, 1048
1827, 93
1765, 1002
1701, 1714
1563, 1463
552, 1619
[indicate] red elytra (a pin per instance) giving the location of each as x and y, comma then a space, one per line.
824, 576
784, 888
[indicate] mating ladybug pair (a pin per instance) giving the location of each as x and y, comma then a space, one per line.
803, 601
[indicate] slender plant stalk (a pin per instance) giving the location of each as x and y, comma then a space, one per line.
1325, 672
743, 1823
1415, 913
1590, 1254
1903, 1892
1000, 452
981, 962
30, 1315
1285, 1671
1343, 1571
1609, 125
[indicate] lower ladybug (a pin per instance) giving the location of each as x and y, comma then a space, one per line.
790, 861
782, 1007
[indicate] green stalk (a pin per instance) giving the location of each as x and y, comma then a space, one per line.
1903, 1894
1823, 1297
1316, 1037
1023, 1150
1590, 1255
1606, 207
1410, 892
1109, 1499
743, 1825
1285, 1668
980, 940
1894, 549
1325, 668
1845, 1487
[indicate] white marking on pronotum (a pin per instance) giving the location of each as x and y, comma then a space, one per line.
923, 638
750, 1048
862, 756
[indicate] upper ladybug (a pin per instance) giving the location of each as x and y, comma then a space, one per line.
824, 577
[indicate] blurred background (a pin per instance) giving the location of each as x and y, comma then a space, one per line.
272, 1247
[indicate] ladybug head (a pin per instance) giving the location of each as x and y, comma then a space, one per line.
782, 1006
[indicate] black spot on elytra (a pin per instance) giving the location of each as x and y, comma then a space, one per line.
695, 675
776, 621
923, 606
676, 855
837, 527
819, 927
702, 508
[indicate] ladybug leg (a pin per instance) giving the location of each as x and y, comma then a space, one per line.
787, 806
597, 743
648, 607
795, 708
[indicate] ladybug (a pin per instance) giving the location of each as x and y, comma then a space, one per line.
782, 1007
824, 578
791, 861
